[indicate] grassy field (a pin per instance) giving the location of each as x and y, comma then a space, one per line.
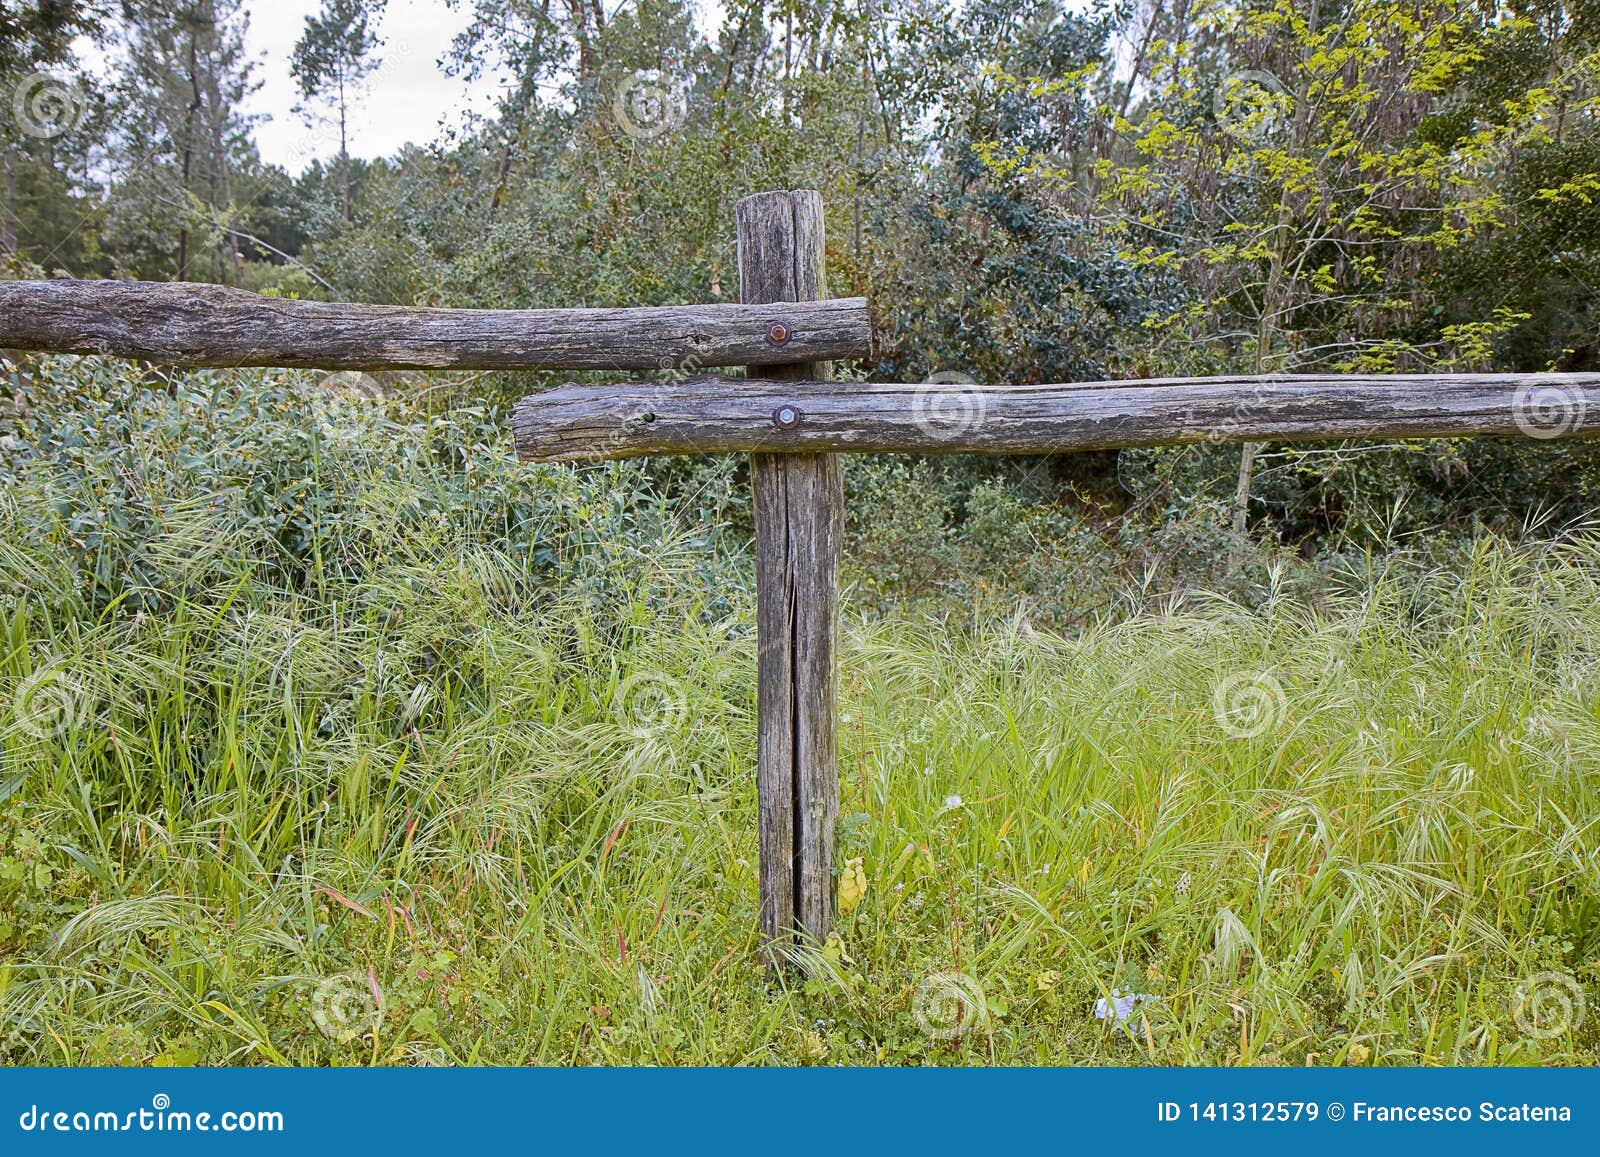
424, 817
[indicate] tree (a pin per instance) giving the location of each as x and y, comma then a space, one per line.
1299, 165
183, 138
334, 56
41, 108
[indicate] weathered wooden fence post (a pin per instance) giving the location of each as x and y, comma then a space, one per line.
792, 420
799, 515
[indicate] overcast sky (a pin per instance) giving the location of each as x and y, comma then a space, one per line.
405, 101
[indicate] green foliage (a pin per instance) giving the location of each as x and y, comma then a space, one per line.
128, 492
331, 734
423, 819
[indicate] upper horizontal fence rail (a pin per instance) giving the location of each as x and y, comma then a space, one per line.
188, 324
715, 415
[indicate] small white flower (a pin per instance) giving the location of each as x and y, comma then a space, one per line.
951, 802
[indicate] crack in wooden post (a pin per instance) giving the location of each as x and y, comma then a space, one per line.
799, 513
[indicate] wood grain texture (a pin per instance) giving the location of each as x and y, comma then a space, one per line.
186, 324
799, 515
715, 415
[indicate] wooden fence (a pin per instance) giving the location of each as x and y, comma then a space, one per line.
792, 419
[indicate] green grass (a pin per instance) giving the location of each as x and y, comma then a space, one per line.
1354, 834
329, 734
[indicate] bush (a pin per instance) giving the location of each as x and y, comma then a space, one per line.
129, 491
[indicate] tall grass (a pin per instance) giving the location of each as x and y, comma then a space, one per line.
240, 828
444, 807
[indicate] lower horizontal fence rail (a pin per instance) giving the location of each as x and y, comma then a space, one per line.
185, 324
717, 415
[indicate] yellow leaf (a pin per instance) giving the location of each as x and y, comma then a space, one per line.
1046, 980
852, 886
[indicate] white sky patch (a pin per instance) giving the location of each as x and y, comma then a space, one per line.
406, 101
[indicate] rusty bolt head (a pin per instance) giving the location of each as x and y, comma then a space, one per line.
777, 333
786, 417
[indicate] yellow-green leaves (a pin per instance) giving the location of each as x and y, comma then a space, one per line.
852, 886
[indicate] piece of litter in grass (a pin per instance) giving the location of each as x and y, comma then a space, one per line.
1121, 1005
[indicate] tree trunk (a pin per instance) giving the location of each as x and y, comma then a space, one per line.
188, 156
8, 220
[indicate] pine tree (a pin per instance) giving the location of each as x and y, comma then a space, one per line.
334, 56
182, 133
